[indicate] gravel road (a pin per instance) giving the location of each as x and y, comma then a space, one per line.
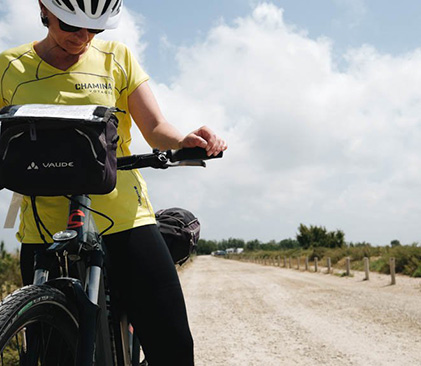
249, 314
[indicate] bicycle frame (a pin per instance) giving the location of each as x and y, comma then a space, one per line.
82, 248
99, 338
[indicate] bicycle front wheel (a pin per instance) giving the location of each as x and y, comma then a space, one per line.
37, 327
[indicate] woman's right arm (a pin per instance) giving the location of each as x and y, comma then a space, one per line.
159, 133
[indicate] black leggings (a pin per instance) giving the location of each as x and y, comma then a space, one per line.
142, 271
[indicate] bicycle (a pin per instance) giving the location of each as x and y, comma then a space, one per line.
73, 319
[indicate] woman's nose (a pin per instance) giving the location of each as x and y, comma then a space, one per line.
83, 34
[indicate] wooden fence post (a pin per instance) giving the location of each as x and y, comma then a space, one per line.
392, 264
316, 264
306, 263
348, 266
298, 263
329, 265
290, 263
366, 268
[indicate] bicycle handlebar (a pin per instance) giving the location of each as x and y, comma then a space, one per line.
165, 159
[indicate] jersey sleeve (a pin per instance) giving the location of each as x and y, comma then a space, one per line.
136, 74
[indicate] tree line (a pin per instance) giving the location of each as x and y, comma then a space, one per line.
307, 237
316, 241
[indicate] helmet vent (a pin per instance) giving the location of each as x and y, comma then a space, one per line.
66, 4
81, 4
94, 7
105, 8
95, 14
117, 6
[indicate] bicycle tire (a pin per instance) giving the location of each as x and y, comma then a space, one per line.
37, 327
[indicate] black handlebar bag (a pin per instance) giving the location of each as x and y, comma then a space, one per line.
53, 150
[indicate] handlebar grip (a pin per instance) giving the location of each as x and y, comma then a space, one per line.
130, 162
126, 161
194, 153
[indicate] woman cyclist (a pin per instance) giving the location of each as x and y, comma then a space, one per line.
70, 66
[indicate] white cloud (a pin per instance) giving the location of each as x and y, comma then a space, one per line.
19, 23
307, 143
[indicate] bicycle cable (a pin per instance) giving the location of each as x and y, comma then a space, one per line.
95, 212
39, 222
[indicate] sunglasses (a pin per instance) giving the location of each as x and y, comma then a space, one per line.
70, 28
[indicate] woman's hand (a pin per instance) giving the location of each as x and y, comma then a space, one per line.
205, 138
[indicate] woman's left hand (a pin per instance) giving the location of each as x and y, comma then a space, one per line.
205, 138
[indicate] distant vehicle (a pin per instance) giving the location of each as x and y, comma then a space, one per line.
219, 252
234, 250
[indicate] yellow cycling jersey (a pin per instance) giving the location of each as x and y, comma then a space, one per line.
105, 75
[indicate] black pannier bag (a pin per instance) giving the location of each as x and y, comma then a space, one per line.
181, 231
53, 150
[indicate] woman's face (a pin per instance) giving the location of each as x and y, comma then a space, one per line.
72, 42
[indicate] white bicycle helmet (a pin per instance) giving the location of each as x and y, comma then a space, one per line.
91, 14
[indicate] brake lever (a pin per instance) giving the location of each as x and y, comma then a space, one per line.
194, 162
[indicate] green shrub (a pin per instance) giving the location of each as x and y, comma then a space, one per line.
380, 265
318, 252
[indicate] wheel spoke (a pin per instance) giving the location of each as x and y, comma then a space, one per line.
45, 343
18, 346
43, 334
43, 346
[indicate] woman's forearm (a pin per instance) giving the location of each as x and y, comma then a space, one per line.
164, 136
148, 117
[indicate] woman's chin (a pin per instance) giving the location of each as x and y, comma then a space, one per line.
74, 48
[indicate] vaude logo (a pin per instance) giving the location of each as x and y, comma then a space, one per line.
32, 166
60, 164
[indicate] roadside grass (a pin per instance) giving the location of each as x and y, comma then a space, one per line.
407, 257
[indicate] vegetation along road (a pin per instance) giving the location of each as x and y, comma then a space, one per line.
249, 314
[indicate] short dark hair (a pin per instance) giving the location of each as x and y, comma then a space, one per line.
44, 20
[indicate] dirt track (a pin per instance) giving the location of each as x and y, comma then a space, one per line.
252, 315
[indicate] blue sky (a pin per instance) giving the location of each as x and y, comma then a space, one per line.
391, 26
320, 102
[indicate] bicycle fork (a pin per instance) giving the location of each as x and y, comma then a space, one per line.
86, 300
80, 239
